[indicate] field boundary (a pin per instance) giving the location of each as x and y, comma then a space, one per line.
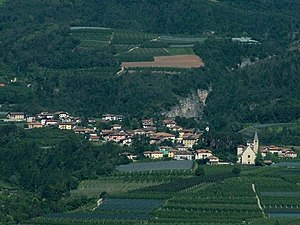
258, 200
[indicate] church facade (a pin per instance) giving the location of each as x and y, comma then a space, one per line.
247, 154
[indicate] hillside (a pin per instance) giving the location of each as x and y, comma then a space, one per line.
231, 66
58, 68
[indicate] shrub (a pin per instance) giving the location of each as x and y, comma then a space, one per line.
199, 171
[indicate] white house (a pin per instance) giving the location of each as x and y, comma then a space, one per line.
16, 116
203, 154
213, 160
183, 155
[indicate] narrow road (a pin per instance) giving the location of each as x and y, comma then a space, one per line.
155, 39
121, 71
258, 200
130, 50
166, 50
99, 202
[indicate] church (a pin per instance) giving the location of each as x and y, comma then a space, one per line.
247, 154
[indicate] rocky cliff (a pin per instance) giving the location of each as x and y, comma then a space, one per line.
190, 107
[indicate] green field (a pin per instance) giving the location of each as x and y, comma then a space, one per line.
134, 46
152, 166
94, 188
178, 197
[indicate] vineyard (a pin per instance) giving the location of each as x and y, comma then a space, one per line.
179, 197
228, 201
151, 166
129, 46
113, 185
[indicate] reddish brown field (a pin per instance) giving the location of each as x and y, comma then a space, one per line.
176, 61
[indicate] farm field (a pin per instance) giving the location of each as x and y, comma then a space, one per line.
129, 46
94, 188
177, 61
179, 197
151, 166
112, 209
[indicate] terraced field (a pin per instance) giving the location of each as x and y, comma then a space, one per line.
129, 46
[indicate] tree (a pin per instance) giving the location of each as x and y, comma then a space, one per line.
259, 160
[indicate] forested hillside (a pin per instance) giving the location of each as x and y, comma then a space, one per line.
54, 71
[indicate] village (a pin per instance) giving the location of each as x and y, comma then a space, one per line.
173, 143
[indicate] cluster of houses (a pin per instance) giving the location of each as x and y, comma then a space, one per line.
116, 133
64, 121
182, 140
247, 154
186, 138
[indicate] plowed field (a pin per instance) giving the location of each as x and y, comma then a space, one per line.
177, 61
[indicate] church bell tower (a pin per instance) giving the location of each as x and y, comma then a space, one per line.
255, 143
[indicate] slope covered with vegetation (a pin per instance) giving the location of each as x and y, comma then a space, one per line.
55, 68
47, 66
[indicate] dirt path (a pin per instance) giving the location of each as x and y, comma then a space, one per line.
121, 71
130, 50
155, 39
166, 50
258, 200
99, 202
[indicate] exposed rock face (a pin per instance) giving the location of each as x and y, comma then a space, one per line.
191, 106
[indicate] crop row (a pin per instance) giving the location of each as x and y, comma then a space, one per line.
184, 183
212, 216
160, 176
156, 166
140, 205
143, 195
232, 187
100, 216
274, 184
214, 207
131, 38
192, 199
92, 35
280, 201
94, 44
79, 221
149, 51
174, 39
